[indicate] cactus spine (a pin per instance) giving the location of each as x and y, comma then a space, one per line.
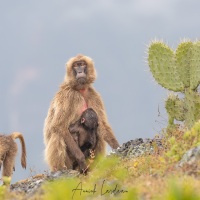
178, 71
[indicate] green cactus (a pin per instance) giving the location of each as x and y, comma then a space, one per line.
178, 71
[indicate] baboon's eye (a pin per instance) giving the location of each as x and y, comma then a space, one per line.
75, 65
83, 64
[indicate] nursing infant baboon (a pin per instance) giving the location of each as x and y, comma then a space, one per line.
84, 132
8, 151
75, 95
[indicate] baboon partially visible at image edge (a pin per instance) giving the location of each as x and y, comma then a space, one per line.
8, 151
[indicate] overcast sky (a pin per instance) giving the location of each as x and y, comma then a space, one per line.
38, 37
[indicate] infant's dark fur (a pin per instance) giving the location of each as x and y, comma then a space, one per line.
84, 131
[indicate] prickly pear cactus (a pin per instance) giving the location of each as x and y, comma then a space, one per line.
178, 71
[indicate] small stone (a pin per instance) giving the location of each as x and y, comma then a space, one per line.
190, 157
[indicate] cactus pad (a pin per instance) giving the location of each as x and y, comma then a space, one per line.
178, 71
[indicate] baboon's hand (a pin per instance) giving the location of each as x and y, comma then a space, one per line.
114, 144
83, 168
84, 171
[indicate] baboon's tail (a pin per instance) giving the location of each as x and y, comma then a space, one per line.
21, 138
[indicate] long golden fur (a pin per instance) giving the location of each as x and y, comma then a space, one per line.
8, 151
66, 108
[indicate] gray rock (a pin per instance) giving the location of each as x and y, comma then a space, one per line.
190, 157
137, 147
33, 184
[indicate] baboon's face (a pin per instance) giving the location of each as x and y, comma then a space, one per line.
80, 71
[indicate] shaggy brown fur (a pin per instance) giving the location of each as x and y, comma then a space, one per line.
67, 105
84, 132
8, 151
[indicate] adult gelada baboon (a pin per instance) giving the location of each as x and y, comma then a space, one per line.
74, 96
8, 151
84, 131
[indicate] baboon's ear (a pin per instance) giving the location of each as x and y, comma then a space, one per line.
82, 120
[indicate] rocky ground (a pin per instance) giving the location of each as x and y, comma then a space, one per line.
32, 184
138, 147
130, 149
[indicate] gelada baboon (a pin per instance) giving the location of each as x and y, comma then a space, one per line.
84, 132
8, 151
75, 95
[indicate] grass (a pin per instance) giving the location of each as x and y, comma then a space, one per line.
147, 177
